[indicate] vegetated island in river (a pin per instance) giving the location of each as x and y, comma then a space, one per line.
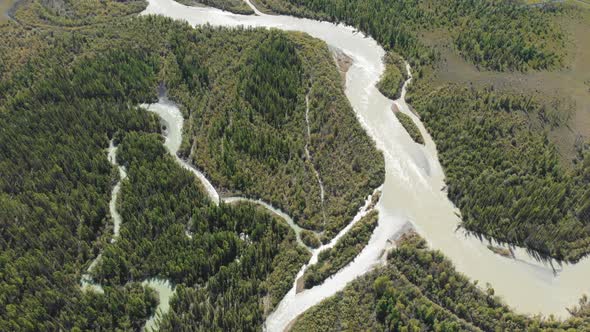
343, 252
234, 6
394, 76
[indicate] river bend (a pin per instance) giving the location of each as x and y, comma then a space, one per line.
412, 188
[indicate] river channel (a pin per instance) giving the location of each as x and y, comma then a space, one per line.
412, 188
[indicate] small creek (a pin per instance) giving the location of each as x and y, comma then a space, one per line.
162, 287
308, 157
292, 304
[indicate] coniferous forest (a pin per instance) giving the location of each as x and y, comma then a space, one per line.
498, 34
419, 290
266, 118
234, 6
343, 252
65, 93
249, 136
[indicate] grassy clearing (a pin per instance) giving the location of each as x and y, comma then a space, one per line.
557, 114
563, 90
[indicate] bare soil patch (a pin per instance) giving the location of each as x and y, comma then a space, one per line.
343, 62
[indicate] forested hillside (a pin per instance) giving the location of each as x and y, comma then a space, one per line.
419, 290
65, 93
